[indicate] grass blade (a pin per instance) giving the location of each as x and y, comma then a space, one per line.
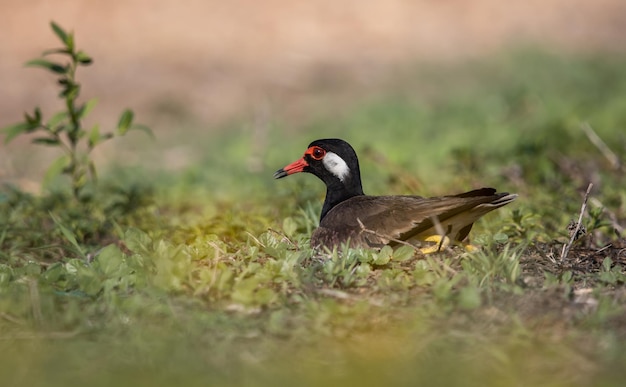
69, 235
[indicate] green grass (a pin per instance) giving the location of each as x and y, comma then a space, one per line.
204, 276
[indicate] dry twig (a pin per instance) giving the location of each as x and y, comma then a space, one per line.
284, 236
364, 229
568, 246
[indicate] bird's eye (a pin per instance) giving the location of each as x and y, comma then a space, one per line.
317, 153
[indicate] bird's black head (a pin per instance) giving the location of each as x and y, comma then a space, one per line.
332, 160
335, 162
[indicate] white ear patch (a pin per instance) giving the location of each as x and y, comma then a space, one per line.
336, 165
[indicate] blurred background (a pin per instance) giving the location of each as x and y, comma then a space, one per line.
189, 67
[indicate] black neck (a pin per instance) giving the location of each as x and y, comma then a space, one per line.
337, 192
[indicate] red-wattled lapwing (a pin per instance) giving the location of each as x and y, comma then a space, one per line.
348, 215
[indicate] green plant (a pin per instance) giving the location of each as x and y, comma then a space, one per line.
486, 268
65, 129
611, 273
524, 225
347, 267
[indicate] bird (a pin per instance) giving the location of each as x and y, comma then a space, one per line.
351, 217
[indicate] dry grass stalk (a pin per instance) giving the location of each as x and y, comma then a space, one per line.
568, 246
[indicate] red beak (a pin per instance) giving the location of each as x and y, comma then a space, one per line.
295, 167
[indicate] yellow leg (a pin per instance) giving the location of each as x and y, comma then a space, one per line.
469, 247
439, 243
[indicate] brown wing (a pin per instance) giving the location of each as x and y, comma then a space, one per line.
405, 217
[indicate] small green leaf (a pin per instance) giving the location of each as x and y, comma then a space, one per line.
56, 168
47, 141
11, 131
94, 136
56, 51
137, 241
56, 119
54, 67
70, 41
53, 273
144, 129
35, 119
608, 277
87, 107
126, 120
290, 226
403, 253
69, 235
83, 58
110, 259
500, 238
88, 280
60, 32
383, 256
566, 277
